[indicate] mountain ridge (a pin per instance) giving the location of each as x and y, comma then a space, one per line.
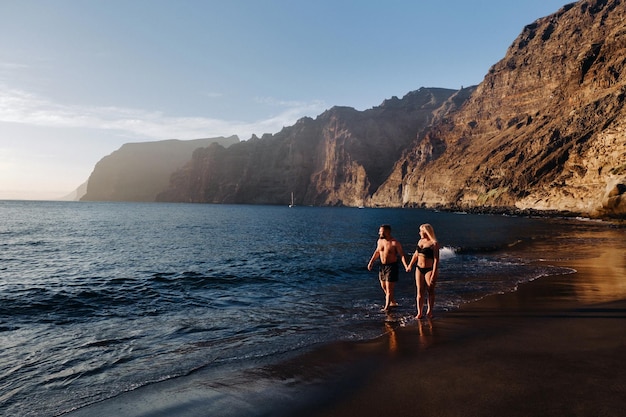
543, 132
339, 158
138, 171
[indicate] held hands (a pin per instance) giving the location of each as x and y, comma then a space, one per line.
409, 266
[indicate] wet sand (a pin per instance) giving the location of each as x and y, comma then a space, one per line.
555, 347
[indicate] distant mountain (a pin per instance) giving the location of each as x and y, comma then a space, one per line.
340, 158
139, 171
77, 194
545, 130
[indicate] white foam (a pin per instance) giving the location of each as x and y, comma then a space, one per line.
447, 252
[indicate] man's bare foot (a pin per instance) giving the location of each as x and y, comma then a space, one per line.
429, 314
393, 304
419, 316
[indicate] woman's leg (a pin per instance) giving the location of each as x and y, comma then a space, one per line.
420, 285
431, 293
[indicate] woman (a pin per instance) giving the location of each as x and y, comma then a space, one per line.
427, 258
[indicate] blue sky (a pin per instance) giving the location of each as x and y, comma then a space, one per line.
79, 78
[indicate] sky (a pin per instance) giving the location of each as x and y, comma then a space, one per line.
79, 78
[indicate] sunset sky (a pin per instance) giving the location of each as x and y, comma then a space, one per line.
79, 78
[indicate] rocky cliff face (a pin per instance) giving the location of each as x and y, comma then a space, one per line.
139, 171
340, 158
545, 130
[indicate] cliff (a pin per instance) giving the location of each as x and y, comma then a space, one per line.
139, 171
544, 130
340, 158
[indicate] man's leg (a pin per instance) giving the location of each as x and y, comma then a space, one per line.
392, 294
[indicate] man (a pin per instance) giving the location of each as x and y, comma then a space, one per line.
388, 249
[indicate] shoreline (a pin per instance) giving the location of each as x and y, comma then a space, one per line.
553, 347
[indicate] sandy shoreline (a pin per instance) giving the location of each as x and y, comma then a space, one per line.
555, 347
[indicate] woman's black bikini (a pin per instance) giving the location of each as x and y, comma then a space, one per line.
428, 253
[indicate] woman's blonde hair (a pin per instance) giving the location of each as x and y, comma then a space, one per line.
429, 231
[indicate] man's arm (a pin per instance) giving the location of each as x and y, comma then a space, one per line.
401, 253
375, 256
413, 262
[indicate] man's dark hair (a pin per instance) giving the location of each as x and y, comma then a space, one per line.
386, 227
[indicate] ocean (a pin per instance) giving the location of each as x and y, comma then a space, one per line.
99, 299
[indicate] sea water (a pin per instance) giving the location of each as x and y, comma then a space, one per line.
97, 299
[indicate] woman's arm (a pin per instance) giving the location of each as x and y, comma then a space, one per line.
413, 261
435, 261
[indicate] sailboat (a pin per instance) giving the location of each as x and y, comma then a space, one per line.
292, 203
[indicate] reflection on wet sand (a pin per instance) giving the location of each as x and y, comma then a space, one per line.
604, 276
426, 331
393, 338
403, 340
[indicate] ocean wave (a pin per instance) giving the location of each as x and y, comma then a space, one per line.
154, 293
447, 252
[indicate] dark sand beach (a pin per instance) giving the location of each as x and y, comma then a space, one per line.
555, 347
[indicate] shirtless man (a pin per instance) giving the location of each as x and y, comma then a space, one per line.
388, 249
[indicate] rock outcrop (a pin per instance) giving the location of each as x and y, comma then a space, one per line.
139, 171
545, 130
340, 158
